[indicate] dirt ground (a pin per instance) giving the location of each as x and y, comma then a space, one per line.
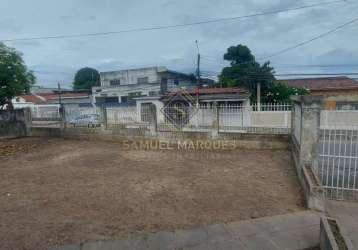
55, 191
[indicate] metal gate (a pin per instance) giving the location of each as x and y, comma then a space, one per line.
46, 116
338, 163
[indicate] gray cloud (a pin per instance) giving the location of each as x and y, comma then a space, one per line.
174, 48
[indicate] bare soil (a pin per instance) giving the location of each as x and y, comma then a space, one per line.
55, 192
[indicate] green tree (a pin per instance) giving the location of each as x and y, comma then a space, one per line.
245, 72
280, 93
15, 78
86, 78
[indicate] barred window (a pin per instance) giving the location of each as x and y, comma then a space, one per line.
141, 80
115, 82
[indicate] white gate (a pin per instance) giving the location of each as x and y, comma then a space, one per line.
338, 157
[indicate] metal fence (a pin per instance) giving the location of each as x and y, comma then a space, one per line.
122, 115
338, 154
186, 118
268, 118
84, 117
45, 115
338, 162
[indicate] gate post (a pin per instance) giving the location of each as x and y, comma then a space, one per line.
153, 120
310, 130
305, 146
104, 116
28, 120
216, 122
62, 114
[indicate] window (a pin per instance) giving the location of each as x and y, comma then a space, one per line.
124, 99
100, 100
347, 105
135, 94
111, 99
153, 93
176, 82
115, 82
142, 80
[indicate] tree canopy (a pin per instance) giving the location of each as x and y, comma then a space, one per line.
15, 78
86, 78
245, 72
281, 92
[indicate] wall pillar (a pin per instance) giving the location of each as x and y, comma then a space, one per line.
306, 126
153, 120
104, 117
216, 122
28, 120
310, 135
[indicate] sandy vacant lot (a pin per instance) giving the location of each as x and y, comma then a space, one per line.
55, 191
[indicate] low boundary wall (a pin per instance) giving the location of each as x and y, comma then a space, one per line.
237, 141
15, 123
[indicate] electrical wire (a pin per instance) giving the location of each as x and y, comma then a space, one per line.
162, 27
310, 40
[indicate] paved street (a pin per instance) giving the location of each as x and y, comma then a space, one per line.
291, 231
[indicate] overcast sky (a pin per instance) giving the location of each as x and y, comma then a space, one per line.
57, 60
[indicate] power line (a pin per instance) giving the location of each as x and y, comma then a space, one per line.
173, 26
310, 40
319, 74
227, 64
315, 65
294, 74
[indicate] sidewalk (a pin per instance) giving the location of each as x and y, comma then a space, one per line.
291, 231
347, 215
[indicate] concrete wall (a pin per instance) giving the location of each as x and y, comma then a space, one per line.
128, 77
15, 123
328, 239
339, 119
119, 134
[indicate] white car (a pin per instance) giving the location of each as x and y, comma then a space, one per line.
89, 120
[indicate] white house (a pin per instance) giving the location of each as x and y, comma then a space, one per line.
123, 86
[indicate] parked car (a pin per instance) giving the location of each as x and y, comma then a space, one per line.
88, 120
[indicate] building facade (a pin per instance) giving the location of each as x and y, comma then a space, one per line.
123, 86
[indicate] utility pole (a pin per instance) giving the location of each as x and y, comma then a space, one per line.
61, 109
59, 94
197, 75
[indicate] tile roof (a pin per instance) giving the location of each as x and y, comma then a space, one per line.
49, 96
326, 83
33, 98
64, 96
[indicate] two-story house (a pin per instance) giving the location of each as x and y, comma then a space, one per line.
123, 86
